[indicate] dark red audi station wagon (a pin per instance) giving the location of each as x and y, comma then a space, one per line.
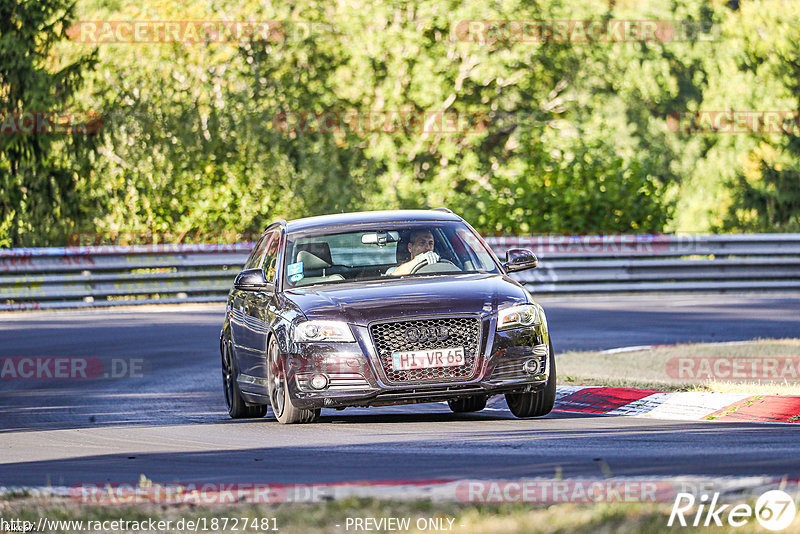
381, 308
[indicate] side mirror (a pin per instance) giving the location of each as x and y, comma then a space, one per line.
519, 259
251, 280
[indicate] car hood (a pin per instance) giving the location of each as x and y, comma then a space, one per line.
365, 302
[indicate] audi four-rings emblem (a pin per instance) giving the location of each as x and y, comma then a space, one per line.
427, 333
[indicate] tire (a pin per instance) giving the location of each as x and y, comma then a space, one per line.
237, 408
469, 404
535, 403
282, 406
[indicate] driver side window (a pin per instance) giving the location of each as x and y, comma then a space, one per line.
265, 254
258, 252
270, 261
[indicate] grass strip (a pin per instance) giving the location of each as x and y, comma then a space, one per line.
659, 368
331, 517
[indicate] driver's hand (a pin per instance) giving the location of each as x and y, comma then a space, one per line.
429, 257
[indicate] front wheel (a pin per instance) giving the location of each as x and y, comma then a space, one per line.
282, 406
237, 408
535, 403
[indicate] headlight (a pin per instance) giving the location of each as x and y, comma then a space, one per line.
323, 331
518, 316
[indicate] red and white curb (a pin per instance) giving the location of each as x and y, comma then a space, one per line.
679, 405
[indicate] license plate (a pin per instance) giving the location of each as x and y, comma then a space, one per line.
426, 359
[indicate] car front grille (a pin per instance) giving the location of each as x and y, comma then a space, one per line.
463, 332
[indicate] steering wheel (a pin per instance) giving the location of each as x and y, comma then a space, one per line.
421, 265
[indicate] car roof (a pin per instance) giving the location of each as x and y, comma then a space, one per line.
366, 217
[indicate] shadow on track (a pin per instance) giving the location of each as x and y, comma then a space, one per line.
464, 447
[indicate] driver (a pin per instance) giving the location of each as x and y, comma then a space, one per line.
420, 245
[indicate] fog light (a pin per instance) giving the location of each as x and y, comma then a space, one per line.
531, 367
319, 381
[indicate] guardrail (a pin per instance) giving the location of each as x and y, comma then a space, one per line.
70, 277
669, 263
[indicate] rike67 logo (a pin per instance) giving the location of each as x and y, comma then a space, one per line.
774, 510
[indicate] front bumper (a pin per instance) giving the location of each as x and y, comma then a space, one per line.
356, 377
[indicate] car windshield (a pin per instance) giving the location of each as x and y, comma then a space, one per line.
390, 252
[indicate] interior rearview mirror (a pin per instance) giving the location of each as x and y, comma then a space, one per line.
380, 238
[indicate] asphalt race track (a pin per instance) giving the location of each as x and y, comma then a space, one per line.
168, 420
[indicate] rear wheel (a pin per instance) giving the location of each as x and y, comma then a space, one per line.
535, 403
237, 408
282, 407
469, 404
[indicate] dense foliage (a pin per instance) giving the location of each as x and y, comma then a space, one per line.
568, 137
40, 170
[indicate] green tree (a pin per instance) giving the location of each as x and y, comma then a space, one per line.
769, 204
765, 190
40, 198
190, 149
574, 137
546, 101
